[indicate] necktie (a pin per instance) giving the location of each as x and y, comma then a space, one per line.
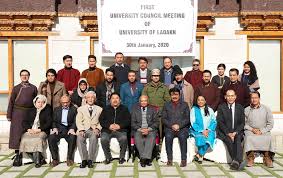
231, 115
90, 111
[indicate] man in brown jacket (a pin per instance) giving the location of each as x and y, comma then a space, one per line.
93, 75
88, 125
52, 89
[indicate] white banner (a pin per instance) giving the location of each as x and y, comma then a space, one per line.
147, 27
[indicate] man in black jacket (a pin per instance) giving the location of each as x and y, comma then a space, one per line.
115, 120
104, 90
64, 126
121, 69
230, 128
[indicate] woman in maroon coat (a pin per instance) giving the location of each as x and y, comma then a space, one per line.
20, 104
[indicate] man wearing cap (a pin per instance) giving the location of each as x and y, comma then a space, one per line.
186, 89
157, 92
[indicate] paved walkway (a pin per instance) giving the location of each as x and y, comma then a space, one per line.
194, 170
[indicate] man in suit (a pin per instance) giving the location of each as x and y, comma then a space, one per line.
115, 121
144, 124
64, 126
143, 73
88, 125
230, 128
105, 89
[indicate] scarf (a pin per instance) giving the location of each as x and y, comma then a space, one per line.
36, 123
109, 90
82, 93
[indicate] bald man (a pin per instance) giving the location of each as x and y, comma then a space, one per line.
144, 124
63, 126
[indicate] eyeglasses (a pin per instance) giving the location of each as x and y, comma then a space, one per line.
155, 75
195, 64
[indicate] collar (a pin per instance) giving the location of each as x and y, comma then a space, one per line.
233, 105
145, 70
65, 108
255, 107
168, 70
68, 68
117, 65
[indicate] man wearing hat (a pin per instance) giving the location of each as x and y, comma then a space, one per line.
186, 89
157, 92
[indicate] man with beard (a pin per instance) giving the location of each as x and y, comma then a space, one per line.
130, 92
209, 90
68, 75
143, 73
105, 89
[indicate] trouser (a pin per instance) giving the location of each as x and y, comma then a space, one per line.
81, 143
235, 148
182, 136
145, 144
105, 142
54, 139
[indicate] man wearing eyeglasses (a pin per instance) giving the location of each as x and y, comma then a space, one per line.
194, 77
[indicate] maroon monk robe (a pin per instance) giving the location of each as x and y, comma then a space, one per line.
194, 77
69, 77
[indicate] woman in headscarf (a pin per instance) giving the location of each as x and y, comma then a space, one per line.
78, 96
36, 128
203, 125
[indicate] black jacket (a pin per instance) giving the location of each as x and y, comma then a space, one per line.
76, 99
123, 118
57, 117
224, 120
45, 119
121, 73
101, 93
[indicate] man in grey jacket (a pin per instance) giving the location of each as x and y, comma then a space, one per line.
144, 123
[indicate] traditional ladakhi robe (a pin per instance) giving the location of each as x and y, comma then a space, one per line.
260, 118
199, 123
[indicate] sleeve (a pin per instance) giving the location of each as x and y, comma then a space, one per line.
11, 103
122, 94
166, 95
64, 89
270, 122
26, 124
54, 119
246, 96
247, 126
156, 122
83, 75
102, 120
134, 124
255, 86
77, 78
101, 77
60, 76
79, 121
213, 123
74, 126
194, 124
187, 77
241, 126
220, 121
186, 118
48, 120
144, 91
126, 124
217, 99
165, 119
191, 96
214, 81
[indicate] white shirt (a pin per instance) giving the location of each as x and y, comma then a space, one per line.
117, 65
233, 113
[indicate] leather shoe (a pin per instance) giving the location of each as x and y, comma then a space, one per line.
183, 163
90, 164
108, 161
83, 164
148, 162
169, 163
143, 162
54, 163
70, 162
121, 161
234, 165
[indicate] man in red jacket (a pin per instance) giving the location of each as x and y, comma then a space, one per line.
194, 77
68, 75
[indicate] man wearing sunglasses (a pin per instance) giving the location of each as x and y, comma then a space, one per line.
194, 77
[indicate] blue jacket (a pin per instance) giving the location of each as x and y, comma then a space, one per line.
126, 96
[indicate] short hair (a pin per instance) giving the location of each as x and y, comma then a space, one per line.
52, 71
91, 56
255, 92
231, 90
119, 53
234, 70
66, 96
132, 71
110, 70
115, 93
221, 65
165, 57
207, 71
91, 92
196, 60
24, 70
174, 90
66, 57
143, 59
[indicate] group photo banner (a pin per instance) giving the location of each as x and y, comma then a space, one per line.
147, 27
